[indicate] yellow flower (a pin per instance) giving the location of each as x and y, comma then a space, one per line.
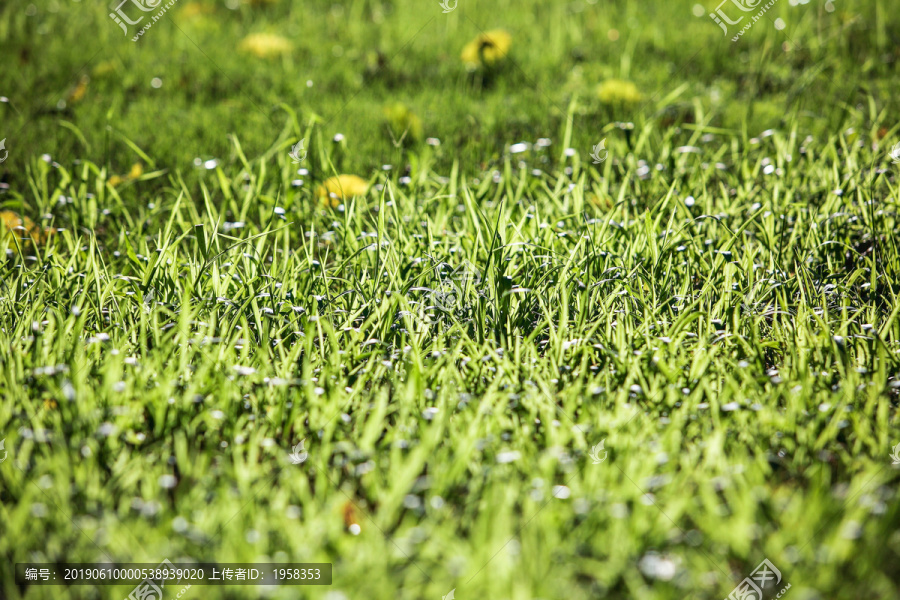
487, 50
403, 121
77, 93
265, 45
23, 228
618, 91
137, 169
336, 189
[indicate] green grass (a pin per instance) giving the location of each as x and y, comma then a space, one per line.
723, 317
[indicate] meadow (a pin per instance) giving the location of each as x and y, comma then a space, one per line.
605, 304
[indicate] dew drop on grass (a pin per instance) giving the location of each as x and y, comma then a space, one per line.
508, 457
106, 429
658, 566
562, 492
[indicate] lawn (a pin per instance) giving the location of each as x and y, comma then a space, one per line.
608, 310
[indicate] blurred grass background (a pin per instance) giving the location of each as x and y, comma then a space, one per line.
341, 64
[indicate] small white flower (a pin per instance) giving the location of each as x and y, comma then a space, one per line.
508, 457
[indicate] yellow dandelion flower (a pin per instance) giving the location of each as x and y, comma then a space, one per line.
22, 228
336, 189
487, 50
265, 45
137, 169
618, 91
403, 122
